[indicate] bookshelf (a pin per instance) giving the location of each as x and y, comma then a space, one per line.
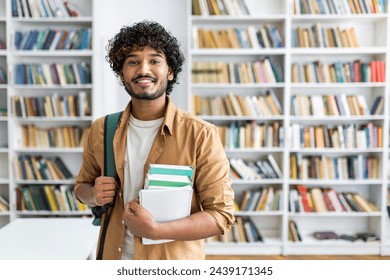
48, 100
4, 178
298, 88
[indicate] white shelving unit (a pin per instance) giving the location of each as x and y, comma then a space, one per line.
373, 35
4, 172
12, 124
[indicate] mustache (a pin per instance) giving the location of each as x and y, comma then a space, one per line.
143, 77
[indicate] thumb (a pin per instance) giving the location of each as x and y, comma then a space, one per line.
132, 206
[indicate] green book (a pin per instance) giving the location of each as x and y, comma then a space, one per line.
171, 169
28, 198
164, 180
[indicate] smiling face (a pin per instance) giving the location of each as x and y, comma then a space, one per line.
145, 74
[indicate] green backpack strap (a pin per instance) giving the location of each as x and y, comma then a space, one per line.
110, 125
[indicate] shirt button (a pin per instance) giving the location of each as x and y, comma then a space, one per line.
123, 222
119, 249
120, 194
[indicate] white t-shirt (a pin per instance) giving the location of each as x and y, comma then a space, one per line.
140, 138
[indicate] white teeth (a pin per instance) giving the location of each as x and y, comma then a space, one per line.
144, 81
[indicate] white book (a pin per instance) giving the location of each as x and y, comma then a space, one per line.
47, 74
56, 39
203, 8
253, 37
295, 139
341, 136
166, 204
250, 105
256, 105
363, 103
345, 104
317, 105
275, 165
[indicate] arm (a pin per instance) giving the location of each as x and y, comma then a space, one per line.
141, 223
91, 188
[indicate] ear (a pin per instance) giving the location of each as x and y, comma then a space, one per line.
121, 77
170, 74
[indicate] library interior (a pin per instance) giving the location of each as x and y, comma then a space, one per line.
298, 91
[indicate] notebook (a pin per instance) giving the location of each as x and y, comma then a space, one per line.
166, 204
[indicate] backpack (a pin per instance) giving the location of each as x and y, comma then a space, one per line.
110, 125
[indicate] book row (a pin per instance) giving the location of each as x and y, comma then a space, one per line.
265, 70
251, 135
55, 105
53, 39
360, 167
294, 235
219, 8
261, 199
43, 9
338, 72
335, 105
265, 36
63, 74
265, 104
307, 200
317, 36
361, 136
244, 231
47, 198
55, 137
28, 167
339, 7
266, 168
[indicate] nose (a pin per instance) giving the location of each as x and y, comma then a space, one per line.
143, 68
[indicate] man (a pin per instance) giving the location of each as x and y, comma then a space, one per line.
148, 59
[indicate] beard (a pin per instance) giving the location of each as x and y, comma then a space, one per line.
145, 95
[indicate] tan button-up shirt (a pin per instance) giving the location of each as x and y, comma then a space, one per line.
185, 140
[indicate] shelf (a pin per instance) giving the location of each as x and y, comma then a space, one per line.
45, 182
54, 213
62, 20
233, 52
53, 150
56, 53
339, 18
338, 51
371, 31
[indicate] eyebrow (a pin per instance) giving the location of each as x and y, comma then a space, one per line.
151, 55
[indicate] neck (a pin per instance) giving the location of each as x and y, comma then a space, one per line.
147, 110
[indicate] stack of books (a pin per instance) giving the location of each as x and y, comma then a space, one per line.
167, 194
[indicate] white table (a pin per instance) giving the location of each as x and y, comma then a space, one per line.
49, 239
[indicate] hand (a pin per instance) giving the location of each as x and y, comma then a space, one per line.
139, 220
104, 190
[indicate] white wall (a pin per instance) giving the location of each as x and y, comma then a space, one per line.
110, 16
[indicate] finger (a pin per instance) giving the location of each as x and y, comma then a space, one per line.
108, 194
105, 180
108, 187
128, 209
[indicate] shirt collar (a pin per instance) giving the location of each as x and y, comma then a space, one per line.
168, 118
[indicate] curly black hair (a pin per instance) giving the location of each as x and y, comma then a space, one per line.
140, 35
